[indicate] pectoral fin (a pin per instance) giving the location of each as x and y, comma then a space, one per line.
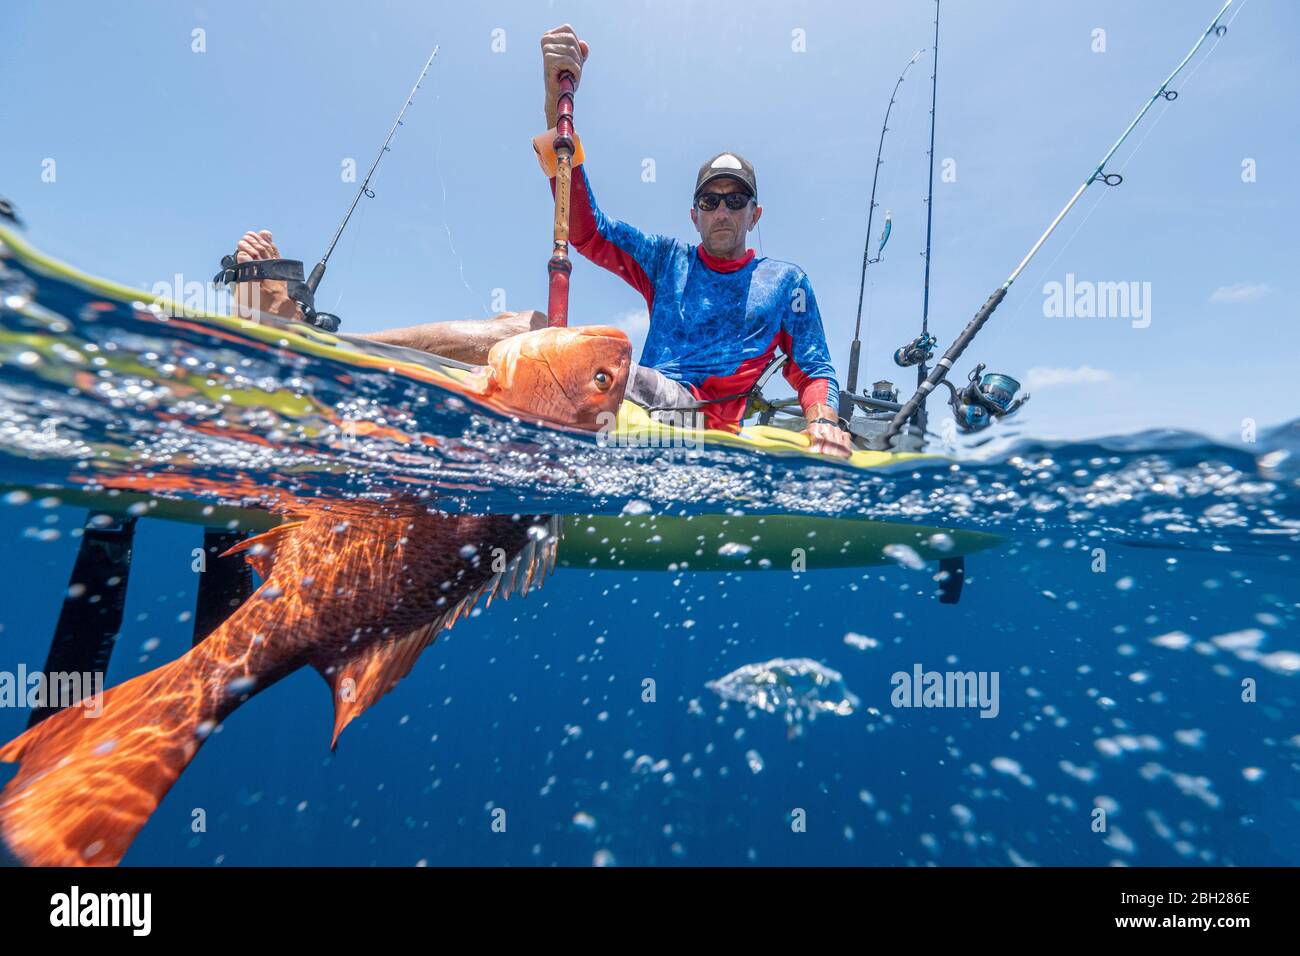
358, 681
259, 550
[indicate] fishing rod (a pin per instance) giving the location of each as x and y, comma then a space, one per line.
994, 395
290, 270
920, 349
846, 397
559, 266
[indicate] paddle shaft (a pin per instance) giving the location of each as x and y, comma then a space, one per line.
557, 306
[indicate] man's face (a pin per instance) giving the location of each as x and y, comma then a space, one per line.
722, 230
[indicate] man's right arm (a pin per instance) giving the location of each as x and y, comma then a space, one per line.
612, 244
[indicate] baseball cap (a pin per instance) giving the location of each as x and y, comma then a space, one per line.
728, 165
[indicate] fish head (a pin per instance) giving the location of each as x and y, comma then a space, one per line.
571, 376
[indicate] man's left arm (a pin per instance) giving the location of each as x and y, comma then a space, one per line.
810, 371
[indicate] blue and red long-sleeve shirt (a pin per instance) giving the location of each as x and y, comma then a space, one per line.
715, 325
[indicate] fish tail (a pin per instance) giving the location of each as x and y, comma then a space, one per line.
91, 775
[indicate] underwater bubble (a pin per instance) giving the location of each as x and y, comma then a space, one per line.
1281, 662
940, 542
1084, 774
1175, 640
1120, 841
904, 555
603, 858
241, 685
584, 821
734, 549
1239, 640
860, 641
797, 687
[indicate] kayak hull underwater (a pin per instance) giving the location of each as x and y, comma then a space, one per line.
754, 542
709, 542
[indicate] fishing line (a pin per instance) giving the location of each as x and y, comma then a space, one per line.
1101, 197
349, 270
442, 185
313, 282
891, 172
845, 410
889, 181
290, 271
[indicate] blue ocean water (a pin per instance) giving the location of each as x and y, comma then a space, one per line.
1140, 617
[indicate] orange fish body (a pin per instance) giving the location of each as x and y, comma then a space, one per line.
356, 590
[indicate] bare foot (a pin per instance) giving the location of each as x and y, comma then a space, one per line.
269, 296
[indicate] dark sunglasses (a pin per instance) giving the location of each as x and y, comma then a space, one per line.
709, 201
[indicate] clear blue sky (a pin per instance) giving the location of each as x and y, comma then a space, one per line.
164, 156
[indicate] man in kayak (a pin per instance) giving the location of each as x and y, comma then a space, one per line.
718, 312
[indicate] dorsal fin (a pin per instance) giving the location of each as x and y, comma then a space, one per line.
261, 548
358, 681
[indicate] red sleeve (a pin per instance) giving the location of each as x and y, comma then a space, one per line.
812, 391
601, 239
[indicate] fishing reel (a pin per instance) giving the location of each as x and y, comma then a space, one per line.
288, 271
916, 352
984, 398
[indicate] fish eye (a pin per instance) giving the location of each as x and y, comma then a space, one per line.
603, 379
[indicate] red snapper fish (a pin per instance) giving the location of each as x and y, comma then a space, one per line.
354, 589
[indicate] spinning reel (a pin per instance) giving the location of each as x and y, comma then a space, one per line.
984, 398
